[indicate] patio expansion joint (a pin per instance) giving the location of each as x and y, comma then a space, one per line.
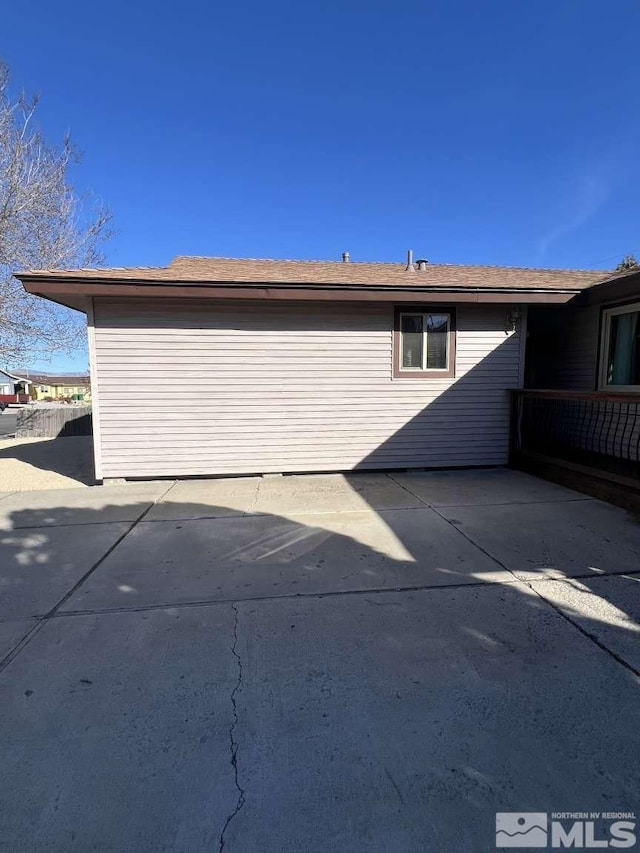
51, 614
250, 513
457, 530
292, 596
257, 599
520, 503
233, 743
587, 634
590, 636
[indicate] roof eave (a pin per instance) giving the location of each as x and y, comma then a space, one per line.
73, 291
621, 287
15, 376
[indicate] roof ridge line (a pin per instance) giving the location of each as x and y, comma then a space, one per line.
366, 263
179, 259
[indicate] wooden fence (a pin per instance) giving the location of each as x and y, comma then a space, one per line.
54, 421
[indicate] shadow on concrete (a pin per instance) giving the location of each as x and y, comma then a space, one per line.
70, 457
82, 425
264, 677
116, 556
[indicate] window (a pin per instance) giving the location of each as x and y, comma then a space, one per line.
620, 354
424, 342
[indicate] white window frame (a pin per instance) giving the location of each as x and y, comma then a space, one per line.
605, 338
423, 368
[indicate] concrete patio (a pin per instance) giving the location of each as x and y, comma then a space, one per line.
317, 663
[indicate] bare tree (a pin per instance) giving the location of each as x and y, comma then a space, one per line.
43, 225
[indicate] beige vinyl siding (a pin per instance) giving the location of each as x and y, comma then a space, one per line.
577, 363
95, 402
214, 388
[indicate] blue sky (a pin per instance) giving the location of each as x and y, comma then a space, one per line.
495, 132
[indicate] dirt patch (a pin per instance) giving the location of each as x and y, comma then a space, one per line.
30, 464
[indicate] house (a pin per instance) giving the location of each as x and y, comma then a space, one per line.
578, 418
54, 386
592, 343
13, 388
213, 366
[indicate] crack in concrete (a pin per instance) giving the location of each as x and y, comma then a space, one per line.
232, 740
395, 785
250, 511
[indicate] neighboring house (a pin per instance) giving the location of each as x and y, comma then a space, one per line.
13, 388
284, 366
53, 386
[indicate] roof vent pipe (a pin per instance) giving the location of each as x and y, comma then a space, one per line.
422, 263
345, 258
410, 267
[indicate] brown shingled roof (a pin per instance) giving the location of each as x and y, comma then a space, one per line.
258, 271
55, 378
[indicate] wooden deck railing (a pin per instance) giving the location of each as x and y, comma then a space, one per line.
14, 398
600, 430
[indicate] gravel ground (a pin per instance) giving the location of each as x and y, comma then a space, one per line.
30, 464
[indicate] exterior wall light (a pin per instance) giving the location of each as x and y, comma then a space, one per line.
513, 318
